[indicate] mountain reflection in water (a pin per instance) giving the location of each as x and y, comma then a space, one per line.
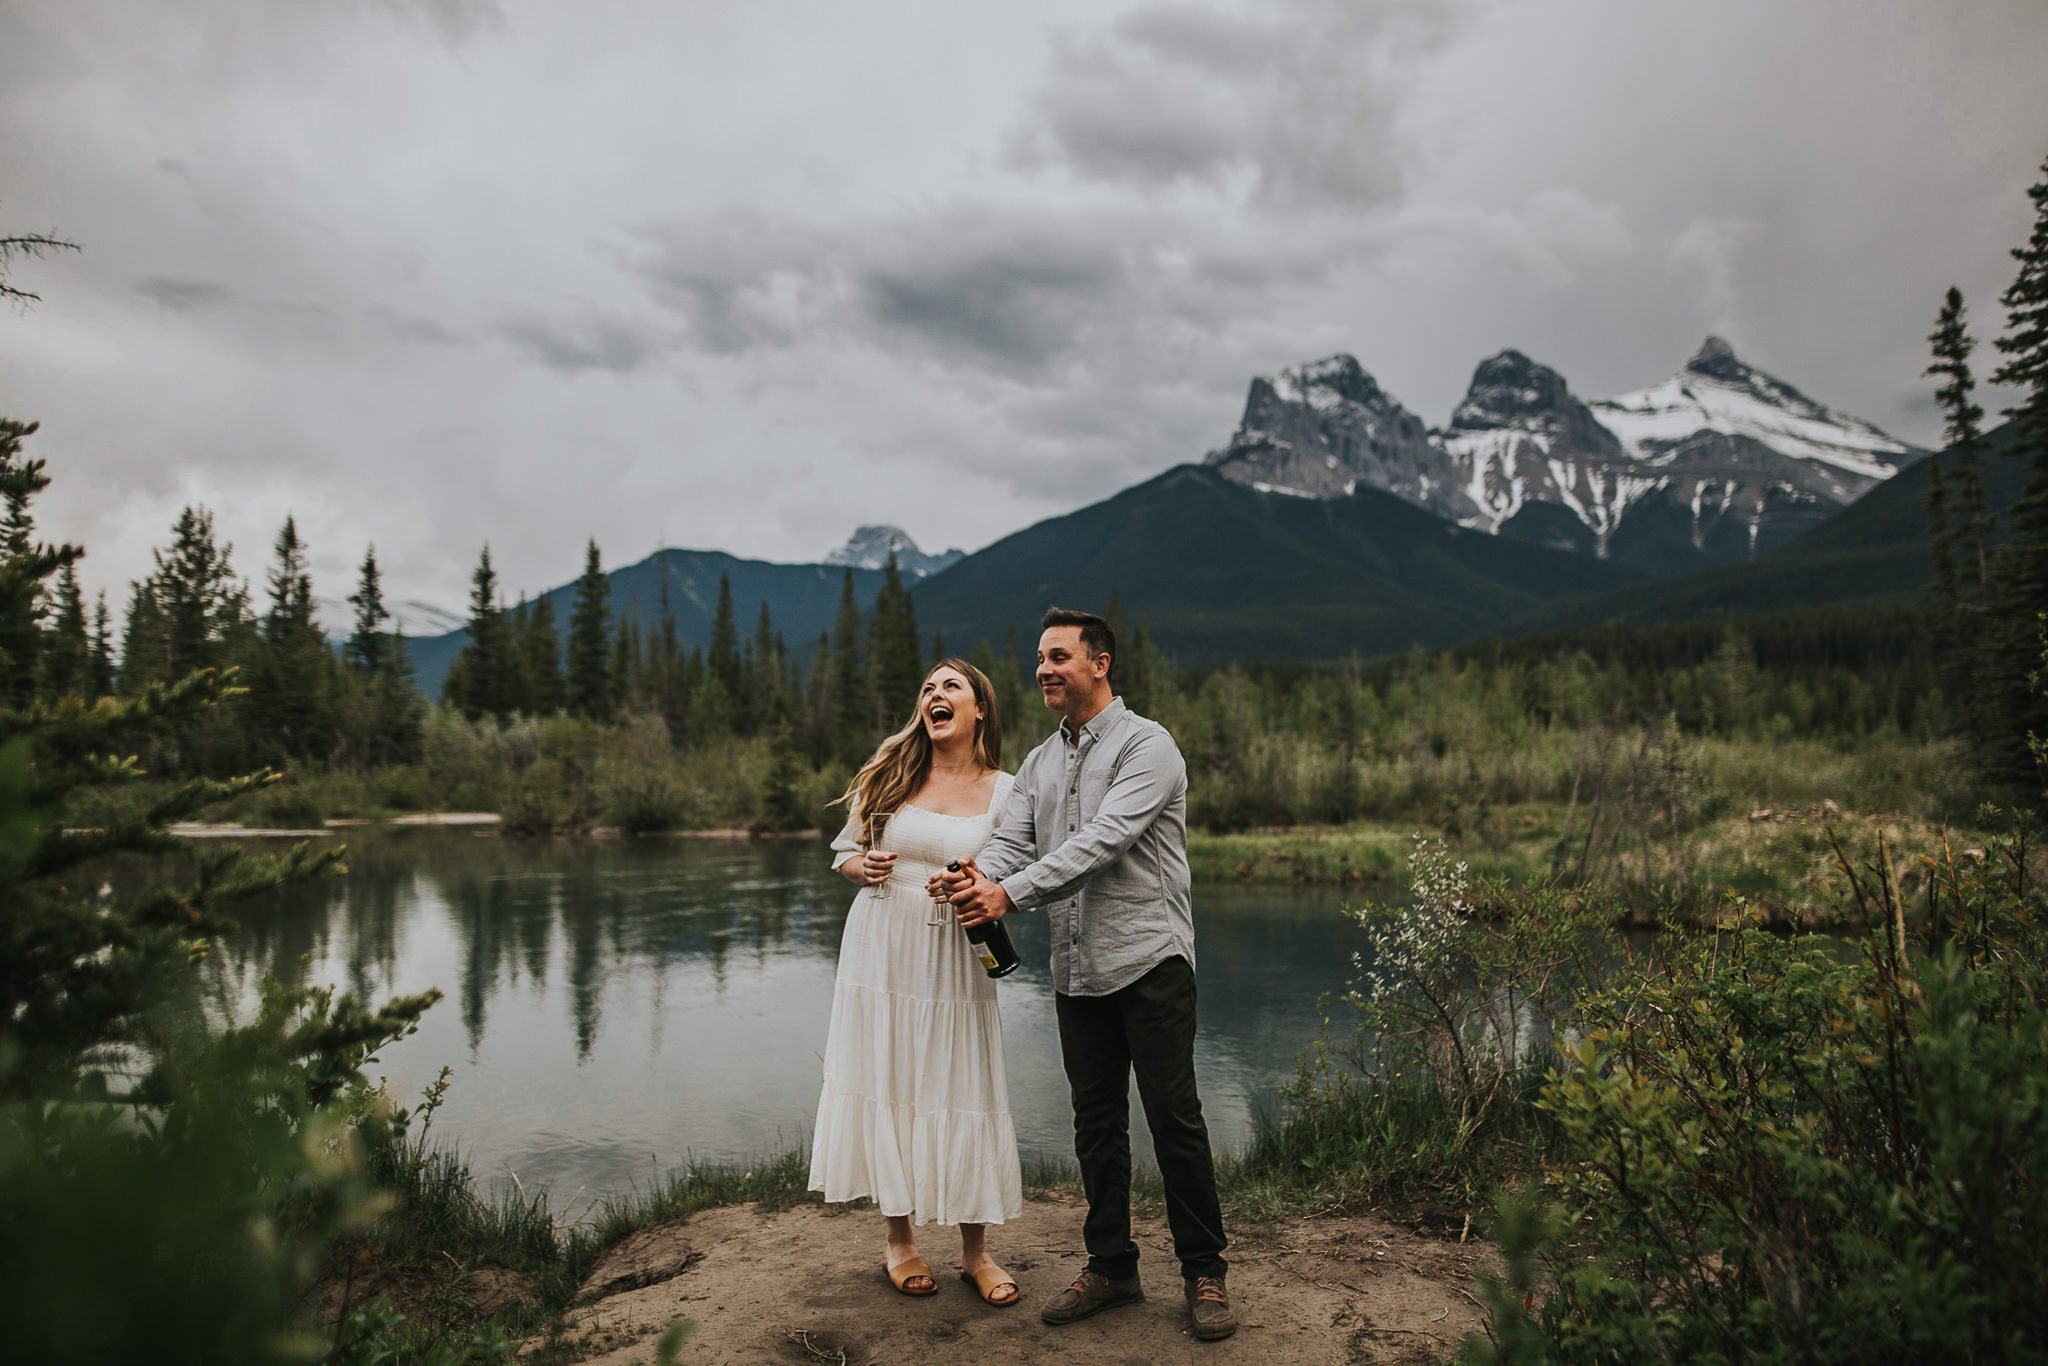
617, 1008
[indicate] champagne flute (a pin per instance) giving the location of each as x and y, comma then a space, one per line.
941, 910
878, 831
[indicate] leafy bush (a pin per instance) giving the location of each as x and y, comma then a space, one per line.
1427, 1084
537, 801
638, 788
1770, 1150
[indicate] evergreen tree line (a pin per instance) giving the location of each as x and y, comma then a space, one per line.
294, 700
830, 703
1495, 721
1992, 588
819, 707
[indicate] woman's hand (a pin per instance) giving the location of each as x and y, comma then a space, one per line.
870, 869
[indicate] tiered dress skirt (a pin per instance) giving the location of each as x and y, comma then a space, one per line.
915, 1109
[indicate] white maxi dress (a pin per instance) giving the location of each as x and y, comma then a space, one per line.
915, 1109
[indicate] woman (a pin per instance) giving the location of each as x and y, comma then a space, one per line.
915, 1111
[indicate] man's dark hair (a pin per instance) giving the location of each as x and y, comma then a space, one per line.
1096, 636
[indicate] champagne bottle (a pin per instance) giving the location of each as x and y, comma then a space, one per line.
990, 942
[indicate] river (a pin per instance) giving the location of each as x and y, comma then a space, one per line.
615, 1009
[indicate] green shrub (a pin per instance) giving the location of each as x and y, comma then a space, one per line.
286, 804
539, 800
1420, 1085
1769, 1150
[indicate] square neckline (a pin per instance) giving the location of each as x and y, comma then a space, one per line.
950, 816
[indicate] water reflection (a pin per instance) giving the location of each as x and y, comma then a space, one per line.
619, 1008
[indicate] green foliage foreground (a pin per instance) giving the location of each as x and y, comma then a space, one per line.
1745, 1146
1767, 1151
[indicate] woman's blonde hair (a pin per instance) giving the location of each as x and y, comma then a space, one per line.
904, 760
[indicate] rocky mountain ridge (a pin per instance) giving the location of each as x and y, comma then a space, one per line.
1717, 464
869, 548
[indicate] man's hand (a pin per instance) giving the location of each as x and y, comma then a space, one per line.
976, 900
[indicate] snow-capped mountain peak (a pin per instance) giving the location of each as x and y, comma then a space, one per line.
1320, 430
1327, 383
870, 546
1717, 391
1719, 462
1520, 434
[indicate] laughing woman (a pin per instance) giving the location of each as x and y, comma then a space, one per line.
915, 1110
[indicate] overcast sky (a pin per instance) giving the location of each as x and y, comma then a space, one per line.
744, 276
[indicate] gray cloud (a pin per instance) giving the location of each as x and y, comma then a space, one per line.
1014, 301
183, 296
739, 281
1302, 100
456, 21
583, 343
953, 269
411, 327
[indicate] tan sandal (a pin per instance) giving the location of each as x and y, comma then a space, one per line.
988, 1281
908, 1270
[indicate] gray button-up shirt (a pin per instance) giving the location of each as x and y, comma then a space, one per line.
1095, 834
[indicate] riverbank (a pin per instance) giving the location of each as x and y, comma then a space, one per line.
1780, 866
757, 1268
1776, 866
805, 1284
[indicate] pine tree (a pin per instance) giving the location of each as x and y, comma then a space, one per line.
669, 678
590, 643
895, 653
1941, 536
984, 659
626, 672
102, 648
366, 643
1123, 669
292, 685
541, 651
765, 660
519, 689
398, 708
480, 679
291, 589
1970, 525
723, 656
2025, 343
195, 589
145, 640
711, 706
853, 693
1141, 687
22, 600
818, 738
2020, 570
1016, 703
67, 648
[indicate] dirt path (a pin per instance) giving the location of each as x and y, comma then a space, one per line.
806, 1285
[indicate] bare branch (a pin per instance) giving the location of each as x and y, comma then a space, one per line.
32, 245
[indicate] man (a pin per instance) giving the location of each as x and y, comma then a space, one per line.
1095, 834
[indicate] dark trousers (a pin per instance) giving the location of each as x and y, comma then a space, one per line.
1147, 1027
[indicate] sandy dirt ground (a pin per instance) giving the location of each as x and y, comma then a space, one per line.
806, 1285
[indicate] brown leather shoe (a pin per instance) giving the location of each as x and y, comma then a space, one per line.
1091, 1294
1209, 1313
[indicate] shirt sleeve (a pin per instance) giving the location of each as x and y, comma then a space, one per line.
1015, 840
847, 844
1148, 774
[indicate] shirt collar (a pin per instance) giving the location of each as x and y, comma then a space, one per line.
1097, 724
